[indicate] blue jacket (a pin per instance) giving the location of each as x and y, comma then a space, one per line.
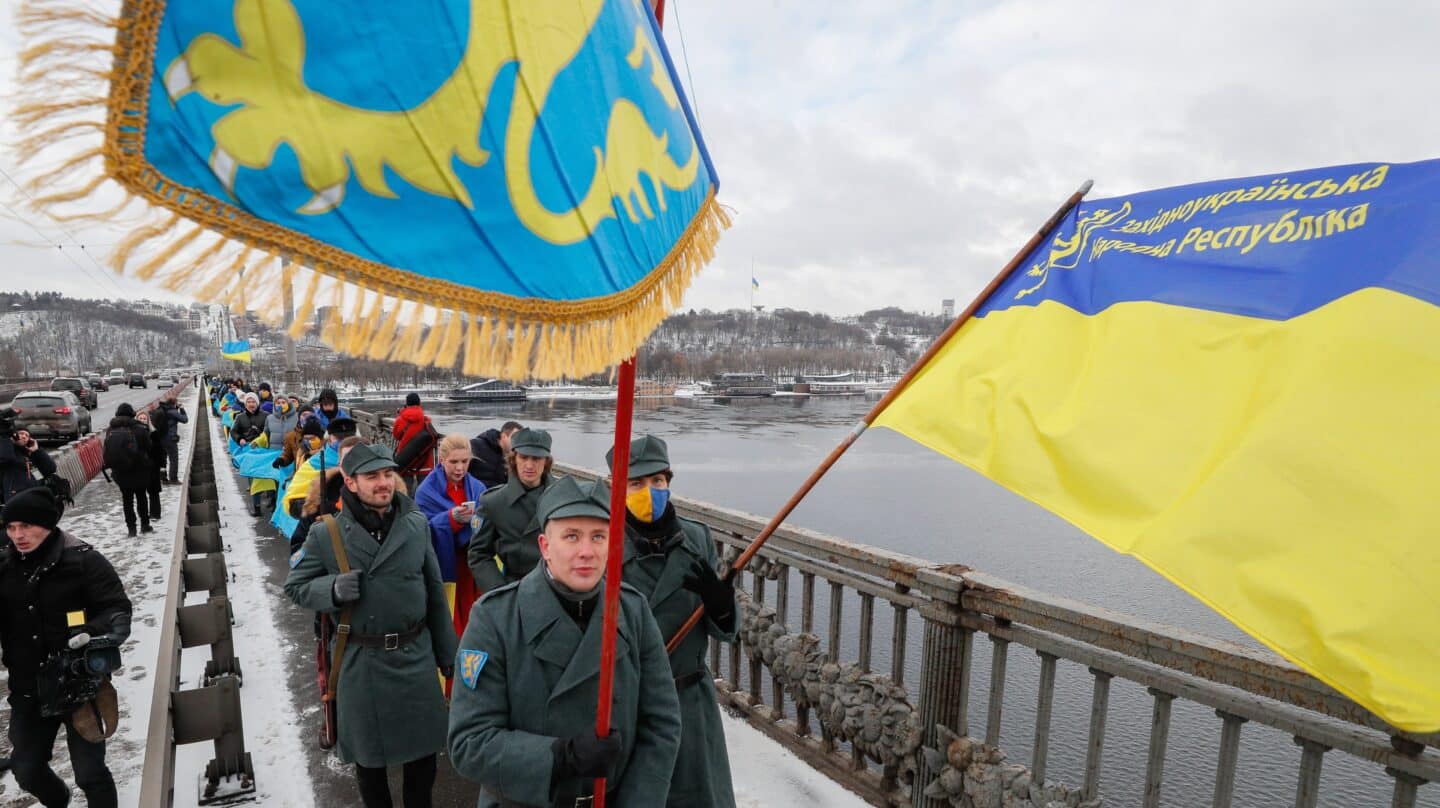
430, 496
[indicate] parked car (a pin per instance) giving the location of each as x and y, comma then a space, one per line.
52, 416
98, 382
84, 393
138, 380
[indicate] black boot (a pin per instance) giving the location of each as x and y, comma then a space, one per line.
145, 528
130, 531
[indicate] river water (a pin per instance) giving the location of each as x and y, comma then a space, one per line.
751, 454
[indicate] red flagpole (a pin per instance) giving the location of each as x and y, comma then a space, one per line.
624, 409
624, 414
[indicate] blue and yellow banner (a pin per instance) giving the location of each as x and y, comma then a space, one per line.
238, 350
1235, 382
519, 184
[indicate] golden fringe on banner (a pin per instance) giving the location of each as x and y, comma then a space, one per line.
228, 257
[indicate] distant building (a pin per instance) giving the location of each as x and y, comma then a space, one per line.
947, 308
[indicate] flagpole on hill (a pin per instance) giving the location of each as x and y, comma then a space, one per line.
854, 434
614, 561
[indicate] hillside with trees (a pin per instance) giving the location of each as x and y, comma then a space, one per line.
43, 334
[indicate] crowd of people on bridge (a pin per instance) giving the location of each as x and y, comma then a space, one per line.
463, 580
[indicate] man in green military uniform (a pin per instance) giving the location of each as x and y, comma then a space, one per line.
672, 562
390, 708
522, 716
510, 527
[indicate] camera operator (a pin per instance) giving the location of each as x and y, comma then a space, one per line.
63, 616
18, 452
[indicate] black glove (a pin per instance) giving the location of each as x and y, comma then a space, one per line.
585, 755
346, 588
717, 594
448, 671
276, 463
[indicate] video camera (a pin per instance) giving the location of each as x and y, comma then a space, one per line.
72, 676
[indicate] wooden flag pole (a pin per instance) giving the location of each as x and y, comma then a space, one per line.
854, 434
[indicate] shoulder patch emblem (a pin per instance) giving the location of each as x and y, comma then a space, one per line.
471, 663
296, 557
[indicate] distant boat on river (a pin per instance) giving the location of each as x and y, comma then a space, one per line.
488, 390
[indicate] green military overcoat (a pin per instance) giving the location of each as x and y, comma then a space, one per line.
509, 532
390, 708
702, 770
538, 680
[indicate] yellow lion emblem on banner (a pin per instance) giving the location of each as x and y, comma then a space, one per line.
264, 76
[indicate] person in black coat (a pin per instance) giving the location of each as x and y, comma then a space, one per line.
130, 469
169, 415
487, 454
47, 575
157, 464
19, 452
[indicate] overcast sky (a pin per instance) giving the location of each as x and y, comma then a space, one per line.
895, 153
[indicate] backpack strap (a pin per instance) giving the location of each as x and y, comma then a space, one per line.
342, 627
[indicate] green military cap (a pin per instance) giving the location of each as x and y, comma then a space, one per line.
531, 443
368, 457
648, 455
566, 498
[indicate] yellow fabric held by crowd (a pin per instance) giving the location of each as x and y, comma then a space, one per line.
1281, 472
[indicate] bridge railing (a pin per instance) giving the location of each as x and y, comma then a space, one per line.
879, 699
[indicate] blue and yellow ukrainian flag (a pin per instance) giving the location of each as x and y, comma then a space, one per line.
1237, 383
238, 350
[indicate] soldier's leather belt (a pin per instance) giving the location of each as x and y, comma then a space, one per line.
684, 680
389, 642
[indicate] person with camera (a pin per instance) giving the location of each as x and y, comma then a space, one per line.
169, 415
19, 454
63, 617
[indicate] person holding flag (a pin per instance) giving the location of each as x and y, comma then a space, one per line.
522, 715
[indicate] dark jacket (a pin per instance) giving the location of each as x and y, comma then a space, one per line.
657, 568
509, 532
37, 591
390, 706
167, 418
528, 674
158, 458
15, 464
134, 475
487, 459
248, 427
319, 501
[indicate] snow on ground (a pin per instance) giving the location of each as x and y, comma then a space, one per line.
767, 774
267, 707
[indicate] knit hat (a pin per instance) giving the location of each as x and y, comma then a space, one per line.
412, 400
328, 395
249, 397
34, 506
312, 427
125, 411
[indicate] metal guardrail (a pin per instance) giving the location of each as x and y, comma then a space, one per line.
211, 711
952, 604
80, 461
